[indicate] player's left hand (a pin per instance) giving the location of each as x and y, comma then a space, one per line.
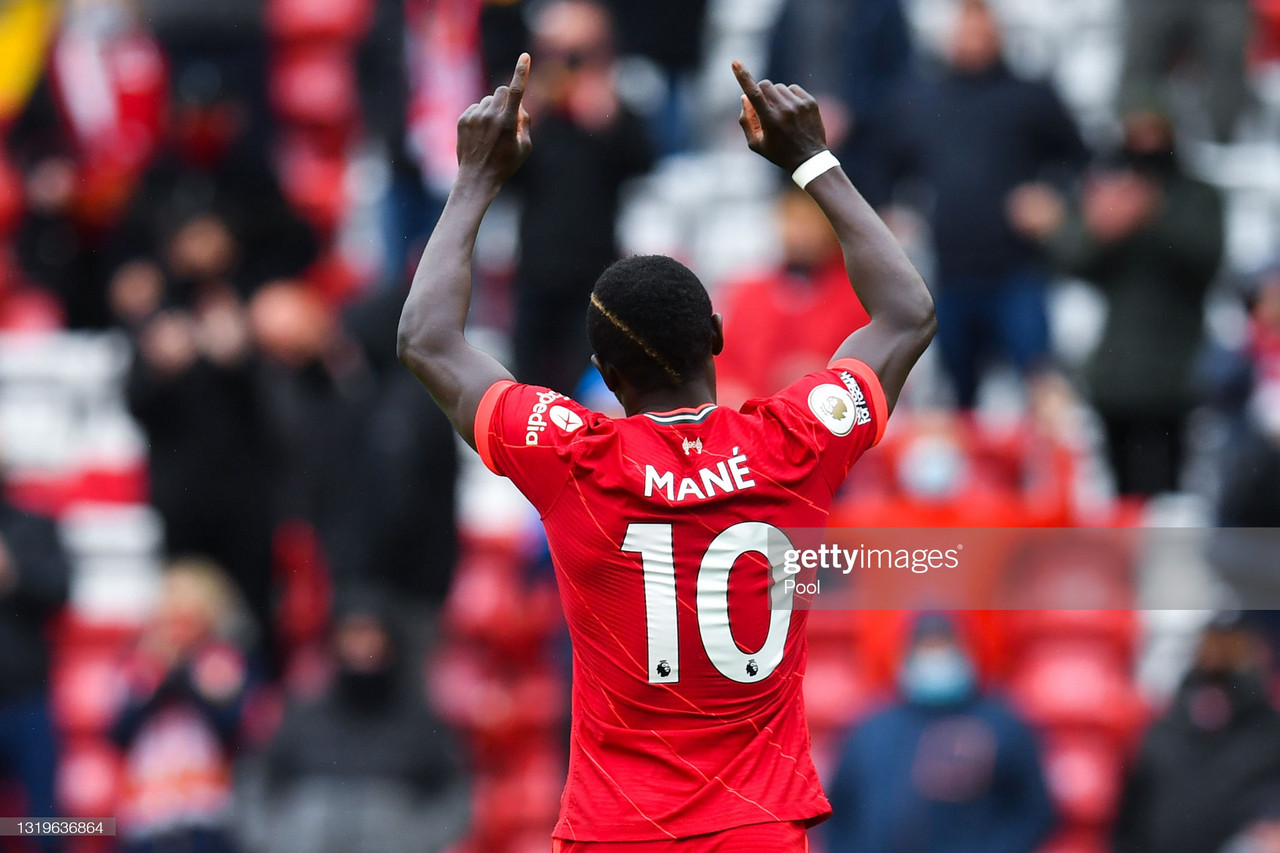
493, 135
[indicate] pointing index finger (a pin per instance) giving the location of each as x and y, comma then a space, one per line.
518, 80
749, 86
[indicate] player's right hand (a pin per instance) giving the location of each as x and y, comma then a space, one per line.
781, 123
493, 135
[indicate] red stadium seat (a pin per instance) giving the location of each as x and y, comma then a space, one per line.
342, 21
1083, 771
1075, 685
306, 589
511, 804
314, 182
1078, 840
53, 494
89, 777
1266, 31
837, 691
837, 627
87, 690
1115, 631
333, 278
12, 192
315, 87
29, 311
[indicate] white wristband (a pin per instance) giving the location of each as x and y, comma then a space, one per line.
819, 163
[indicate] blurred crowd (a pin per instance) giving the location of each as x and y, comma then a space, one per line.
339, 658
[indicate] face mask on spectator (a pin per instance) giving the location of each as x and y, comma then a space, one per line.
937, 676
932, 468
366, 688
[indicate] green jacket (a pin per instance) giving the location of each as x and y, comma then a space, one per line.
1154, 282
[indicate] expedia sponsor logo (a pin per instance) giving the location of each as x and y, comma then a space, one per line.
537, 418
852, 384
862, 412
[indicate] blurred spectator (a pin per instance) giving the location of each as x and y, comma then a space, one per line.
851, 55
946, 769
91, 127
1262, 830
419, 67
181, 716
589, 143
788, 321
210, 208
1211, 36
1251, 378
34, 576
403, 534
666, 35
1202, 765
365, 767
1245, 385
220, 45
975, 134
315, 390
1151, 238
192, 389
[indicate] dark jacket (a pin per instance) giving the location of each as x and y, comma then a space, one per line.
984, 761
1189, 790
856, 50
42, 576
570, 185
1155, 282
971, 139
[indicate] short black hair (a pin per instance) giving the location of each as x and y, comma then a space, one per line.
650, 317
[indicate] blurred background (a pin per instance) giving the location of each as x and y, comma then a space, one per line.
255, 595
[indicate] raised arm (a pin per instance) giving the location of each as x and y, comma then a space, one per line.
493, 140
782, 125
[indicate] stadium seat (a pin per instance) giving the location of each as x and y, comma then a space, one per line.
1115, 631
1074, 684
333, 277
314, 182
511, 804
1083, 771
316, 88
1266, 34
305, 588
1078, 840
87, 689
837, 691
89, 776
25, 310
12, 193
338, 21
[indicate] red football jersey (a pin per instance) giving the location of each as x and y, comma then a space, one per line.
688, 715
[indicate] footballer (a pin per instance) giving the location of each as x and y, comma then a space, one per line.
666, 526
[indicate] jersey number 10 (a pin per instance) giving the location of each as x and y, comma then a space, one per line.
653, 542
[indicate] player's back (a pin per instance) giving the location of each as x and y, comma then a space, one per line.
668, 532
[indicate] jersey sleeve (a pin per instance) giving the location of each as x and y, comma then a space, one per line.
840, 412
527, 433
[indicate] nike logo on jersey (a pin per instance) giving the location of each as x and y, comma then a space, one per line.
731, 475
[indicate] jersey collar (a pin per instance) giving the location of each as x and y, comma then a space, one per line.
682, 416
